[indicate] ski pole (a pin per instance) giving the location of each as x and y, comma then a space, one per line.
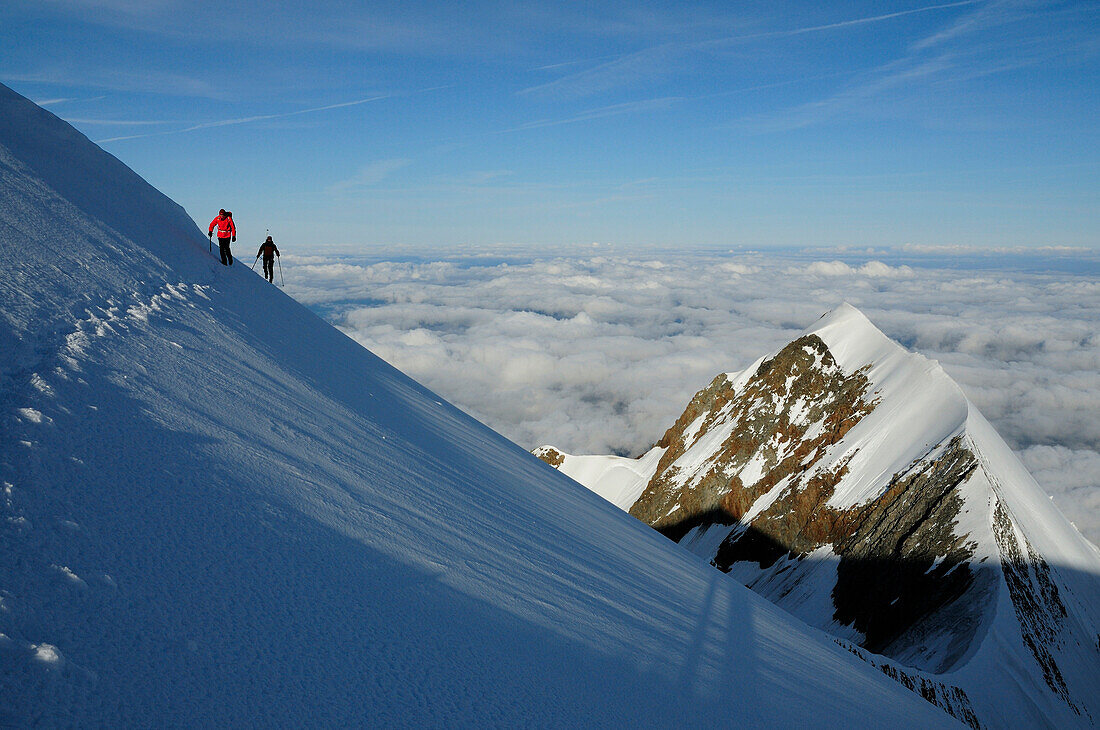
281, 279
254, 263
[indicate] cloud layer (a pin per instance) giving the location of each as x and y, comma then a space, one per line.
600, 354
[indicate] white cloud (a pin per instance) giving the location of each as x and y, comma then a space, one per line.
839, 268
1077, 474
599, 354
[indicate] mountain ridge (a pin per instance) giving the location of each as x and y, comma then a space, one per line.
853, 483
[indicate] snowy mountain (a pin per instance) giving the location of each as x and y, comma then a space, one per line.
852, 483
217, 510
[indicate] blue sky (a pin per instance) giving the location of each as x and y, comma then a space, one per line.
755, 124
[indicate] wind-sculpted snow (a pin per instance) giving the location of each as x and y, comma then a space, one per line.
218, 510
853, 484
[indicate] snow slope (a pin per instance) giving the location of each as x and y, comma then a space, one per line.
906, 523
217, 509
617, 479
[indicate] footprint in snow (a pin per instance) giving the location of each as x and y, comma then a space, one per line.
30, 414
69, 577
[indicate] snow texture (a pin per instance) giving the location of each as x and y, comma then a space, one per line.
218, 510
617, 479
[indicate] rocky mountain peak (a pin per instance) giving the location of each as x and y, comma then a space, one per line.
852, 482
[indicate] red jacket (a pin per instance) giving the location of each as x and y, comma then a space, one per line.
225, 226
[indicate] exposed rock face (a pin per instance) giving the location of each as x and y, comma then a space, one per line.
949, 698
550, 455
1038, 605
794, 407
904, 559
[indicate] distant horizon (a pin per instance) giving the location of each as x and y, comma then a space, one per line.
854, 124
1075, 260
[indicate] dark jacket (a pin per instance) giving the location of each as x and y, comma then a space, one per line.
269, 250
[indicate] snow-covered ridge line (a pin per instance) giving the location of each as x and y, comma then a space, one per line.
925, 408
617, 479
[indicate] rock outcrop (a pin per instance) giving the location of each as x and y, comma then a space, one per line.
791, 410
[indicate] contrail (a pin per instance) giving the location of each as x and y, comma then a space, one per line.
263, 117
703, 44
843, 23
246, 120
50, 102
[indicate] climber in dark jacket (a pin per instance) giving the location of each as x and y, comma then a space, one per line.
269, 251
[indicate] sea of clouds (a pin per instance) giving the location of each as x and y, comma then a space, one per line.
601, 353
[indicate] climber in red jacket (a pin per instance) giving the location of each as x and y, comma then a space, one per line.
226, 232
